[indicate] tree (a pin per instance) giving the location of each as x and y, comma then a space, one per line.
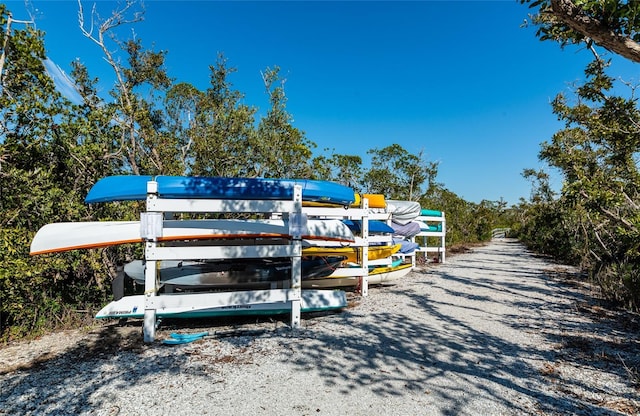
597, 154
348, 170
595, 221
399, 174
540, 188
545, 223
611, 24
222, 127
182, 104
140, 122
597, 150
279, 149
47, 158
29, 108
467, 222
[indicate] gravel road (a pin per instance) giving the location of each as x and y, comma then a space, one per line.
494, 331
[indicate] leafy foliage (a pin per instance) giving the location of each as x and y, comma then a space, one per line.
217, 131
398, 174
279, 149
611, 24
595, 222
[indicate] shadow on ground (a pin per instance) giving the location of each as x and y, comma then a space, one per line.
437, 337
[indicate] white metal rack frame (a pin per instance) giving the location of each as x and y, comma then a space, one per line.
424, 237
363, 215
406, 257
383, 239
152, 228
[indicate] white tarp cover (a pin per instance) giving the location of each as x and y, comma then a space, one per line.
403, 212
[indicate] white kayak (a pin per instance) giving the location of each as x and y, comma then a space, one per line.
134, 306
232, 272
378, 276
65, 236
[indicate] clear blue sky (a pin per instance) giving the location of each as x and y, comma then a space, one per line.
460, 80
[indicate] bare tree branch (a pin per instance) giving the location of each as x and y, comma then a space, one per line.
106, 27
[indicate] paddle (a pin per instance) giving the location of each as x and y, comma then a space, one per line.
177, 338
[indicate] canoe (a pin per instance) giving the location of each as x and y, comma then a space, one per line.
133, 306
133, 187
65, 236
353, 253
378, 276
227, 273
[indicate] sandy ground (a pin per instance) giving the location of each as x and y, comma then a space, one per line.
494, 331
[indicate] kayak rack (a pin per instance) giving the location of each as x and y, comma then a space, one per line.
363, 240
432, 239
152, 229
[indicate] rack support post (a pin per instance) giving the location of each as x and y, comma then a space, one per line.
296, 260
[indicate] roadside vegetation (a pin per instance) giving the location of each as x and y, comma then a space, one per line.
53, 149
594, 221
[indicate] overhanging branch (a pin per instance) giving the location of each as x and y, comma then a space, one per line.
574, 17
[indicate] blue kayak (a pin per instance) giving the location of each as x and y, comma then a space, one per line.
375, 226
134, 188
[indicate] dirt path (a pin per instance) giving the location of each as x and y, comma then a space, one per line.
495, 331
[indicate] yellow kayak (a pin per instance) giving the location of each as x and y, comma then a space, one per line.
353, 253
375, 201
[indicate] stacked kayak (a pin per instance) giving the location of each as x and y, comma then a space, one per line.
331, 253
